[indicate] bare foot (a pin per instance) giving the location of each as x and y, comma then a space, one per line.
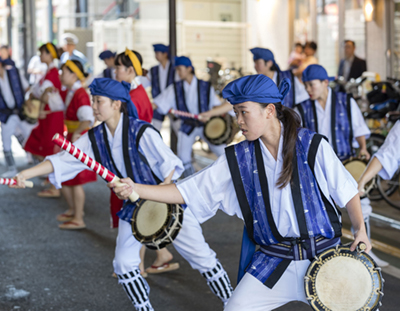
163, 256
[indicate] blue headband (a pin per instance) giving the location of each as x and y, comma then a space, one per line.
265, 54
183, 61
315, 72
116, 91
106, 54
255, 88
161, 48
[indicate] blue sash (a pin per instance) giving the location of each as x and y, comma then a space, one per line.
203, 93
156, 87
18, 92
290, 99
107, 73
341, 123
316, 216
136, 164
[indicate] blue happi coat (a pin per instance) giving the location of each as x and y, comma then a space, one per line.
156, 87
18, 92
290, 99
203, 93
136, 164
341, 124
316, 216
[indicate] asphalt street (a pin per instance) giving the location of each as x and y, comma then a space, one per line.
45, 268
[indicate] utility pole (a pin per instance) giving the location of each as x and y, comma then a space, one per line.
172, 52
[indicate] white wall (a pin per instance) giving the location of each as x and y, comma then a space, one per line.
269, 28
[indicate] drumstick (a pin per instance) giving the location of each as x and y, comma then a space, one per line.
92, 164
11, 181
184, 114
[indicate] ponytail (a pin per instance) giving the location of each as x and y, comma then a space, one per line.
291, 122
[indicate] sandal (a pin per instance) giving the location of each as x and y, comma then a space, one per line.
65, 217
49, 193
71, 225
163, 268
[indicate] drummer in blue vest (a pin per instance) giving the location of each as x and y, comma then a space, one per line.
265, 64
337, 116
189, 95
282, 181
108, 58
13, 86
161, 76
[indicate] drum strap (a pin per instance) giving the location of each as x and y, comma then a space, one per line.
348, 107
331, 210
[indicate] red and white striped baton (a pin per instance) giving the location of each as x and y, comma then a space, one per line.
92, 164
12, 182
185, 114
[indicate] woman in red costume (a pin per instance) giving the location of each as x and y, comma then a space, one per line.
78, 119
51, 117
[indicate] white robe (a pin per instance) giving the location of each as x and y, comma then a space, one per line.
300, 91
389, 153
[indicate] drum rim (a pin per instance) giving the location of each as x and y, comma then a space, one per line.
225, 135
173, 223
344, 251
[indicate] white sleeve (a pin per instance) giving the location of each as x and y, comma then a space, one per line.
333, 178
214, 100
300, 90
209, 190
389, 153
145, 81
24, 82
166, 100
360, 128
85, 113
65, 166
160, 157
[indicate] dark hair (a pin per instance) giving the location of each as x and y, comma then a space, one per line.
44, 48
79, 65
123, 59
5, 46
311, 45
299, 44
350, 41
291, 122
273, 67
124, 108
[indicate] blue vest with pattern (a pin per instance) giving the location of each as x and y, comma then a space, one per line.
156, 87
290, 99
315, 214
136, 164
18, 93
107, 73
203, 95
341, 125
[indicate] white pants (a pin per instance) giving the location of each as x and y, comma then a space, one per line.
174, 124
190, 243
366, 208
252, 295
15, 126
185, 143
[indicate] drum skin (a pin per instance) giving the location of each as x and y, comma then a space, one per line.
355, 167
33, 115
342, 280
156, 224
218, 130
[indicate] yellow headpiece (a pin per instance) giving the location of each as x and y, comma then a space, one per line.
135, 61
71, 65
52, 50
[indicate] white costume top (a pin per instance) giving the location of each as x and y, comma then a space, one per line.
212, 188
159, 156
6, 89
163, 74
389, 153
300, 90
360, 128
39, 88
166, 100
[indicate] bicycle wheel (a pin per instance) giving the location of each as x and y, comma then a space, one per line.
394, 198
